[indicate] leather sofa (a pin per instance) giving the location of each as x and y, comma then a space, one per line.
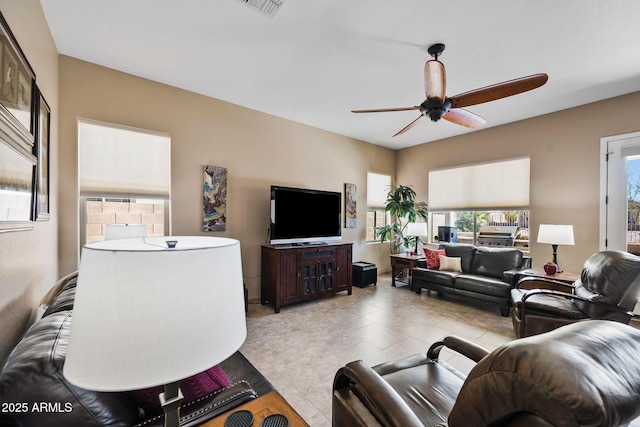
32, 375
583, 374
608, 289
487, 274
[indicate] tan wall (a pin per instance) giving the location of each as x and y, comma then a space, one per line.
257, 149
29, 259
564, 148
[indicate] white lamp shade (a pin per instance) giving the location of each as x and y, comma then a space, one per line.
125, 231
417, 229
556, 234
146, 315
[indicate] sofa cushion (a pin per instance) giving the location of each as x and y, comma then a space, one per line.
432, 257
466, 252
494, 262
428, 387
450, 263
438, 277
482, 285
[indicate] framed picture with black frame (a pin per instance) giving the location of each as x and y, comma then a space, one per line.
17, 85
41, 200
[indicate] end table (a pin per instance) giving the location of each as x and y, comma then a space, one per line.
403, 262
269, 404
565, 277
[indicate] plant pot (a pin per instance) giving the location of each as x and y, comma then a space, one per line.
550, 269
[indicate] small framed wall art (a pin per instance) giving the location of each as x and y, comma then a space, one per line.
41, 150
350, 214
214, 205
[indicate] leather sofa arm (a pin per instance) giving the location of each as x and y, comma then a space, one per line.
209, 406
460, 345
611, 308
381, 399
544, 283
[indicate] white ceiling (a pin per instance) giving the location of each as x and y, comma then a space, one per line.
317, 60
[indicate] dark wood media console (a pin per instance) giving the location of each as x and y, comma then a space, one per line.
292, 274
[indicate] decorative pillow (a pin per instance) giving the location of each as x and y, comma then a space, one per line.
433, 260
450, 263
192, 388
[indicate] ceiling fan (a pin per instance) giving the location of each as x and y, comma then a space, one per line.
438, 106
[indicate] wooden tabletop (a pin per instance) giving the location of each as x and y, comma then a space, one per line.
269, 404
565, 276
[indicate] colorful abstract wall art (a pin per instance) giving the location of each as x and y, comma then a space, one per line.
215, 199
350, 197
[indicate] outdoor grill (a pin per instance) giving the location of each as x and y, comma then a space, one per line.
501, 235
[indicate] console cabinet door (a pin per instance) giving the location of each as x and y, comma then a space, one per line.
289, 287
317, 277
343, 274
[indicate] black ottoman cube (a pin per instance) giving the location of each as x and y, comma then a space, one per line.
364, 273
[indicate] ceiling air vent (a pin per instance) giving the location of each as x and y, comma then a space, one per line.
266, 7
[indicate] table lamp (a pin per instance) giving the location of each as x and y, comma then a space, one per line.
555, 235
141, 308
417, 229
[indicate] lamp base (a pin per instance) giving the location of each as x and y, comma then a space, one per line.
555, 258
170, 401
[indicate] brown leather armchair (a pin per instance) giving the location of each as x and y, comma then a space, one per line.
608, 289
587, 373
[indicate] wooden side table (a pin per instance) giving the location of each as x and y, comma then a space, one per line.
269, 404
403, 262
565, 276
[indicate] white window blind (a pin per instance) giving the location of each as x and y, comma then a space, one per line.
377, 188
503, 184
123, 162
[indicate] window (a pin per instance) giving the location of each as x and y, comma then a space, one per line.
468, 197
100, 211
125, 178
377, 188
468, 224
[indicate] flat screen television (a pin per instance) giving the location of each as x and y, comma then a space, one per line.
304, 216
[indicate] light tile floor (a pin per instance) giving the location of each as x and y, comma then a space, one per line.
300, 349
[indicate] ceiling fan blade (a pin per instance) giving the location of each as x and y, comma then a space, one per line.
464, 118
435, 80
498, 90
407, 127
384, 110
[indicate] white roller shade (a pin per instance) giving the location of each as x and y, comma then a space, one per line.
122, 162
377, 188
494, 185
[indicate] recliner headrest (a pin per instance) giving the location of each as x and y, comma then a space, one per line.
586, 373
613, 274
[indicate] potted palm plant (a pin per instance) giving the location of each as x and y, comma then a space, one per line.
403, 209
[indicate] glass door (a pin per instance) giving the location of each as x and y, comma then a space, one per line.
620, 182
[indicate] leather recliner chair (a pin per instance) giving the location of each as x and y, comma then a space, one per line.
608, 289
587, 373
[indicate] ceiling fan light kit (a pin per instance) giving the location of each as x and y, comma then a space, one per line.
435, 80
438, 106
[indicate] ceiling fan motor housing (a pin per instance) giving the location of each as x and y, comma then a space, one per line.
435, 109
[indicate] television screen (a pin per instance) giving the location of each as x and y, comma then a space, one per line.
304, 216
